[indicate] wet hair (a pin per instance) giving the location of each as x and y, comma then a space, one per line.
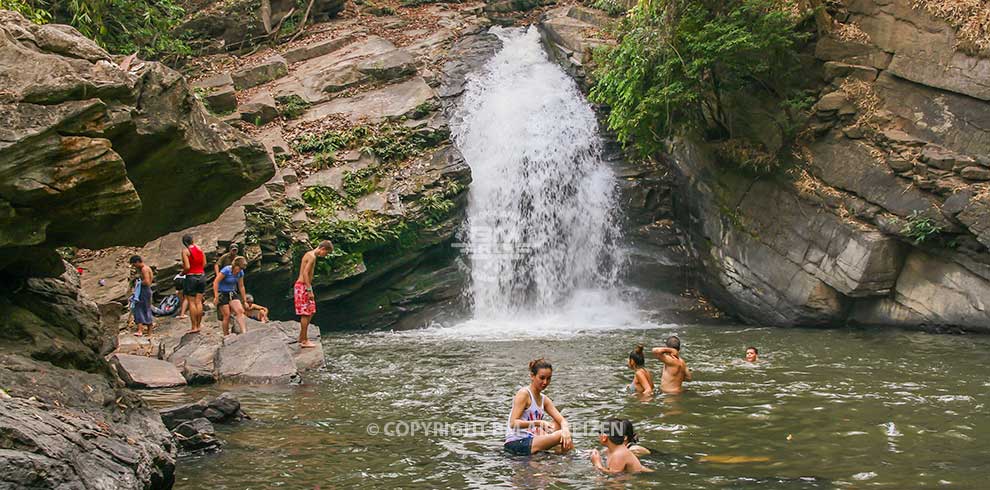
637, 356
326, 245
187, 240
673, 342
537, 364
240, 261
755, 351
619, 431
249, 298
135, 259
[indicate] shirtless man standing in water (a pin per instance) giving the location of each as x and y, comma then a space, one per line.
675, 370
305, 300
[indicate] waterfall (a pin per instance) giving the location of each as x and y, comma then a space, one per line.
541, 228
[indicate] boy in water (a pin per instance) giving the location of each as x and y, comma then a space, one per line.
675, 370
752, 355
305, 300
616, 434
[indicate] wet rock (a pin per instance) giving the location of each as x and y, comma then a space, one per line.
258, 356
268, 70
146, 372
223, 409
466, 55
306, 359
197, 435
979, 174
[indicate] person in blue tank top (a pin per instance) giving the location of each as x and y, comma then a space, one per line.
228, 289
527, 430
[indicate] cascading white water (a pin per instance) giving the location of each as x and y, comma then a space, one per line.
541, 227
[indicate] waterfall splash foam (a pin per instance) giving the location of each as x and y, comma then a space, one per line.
542, 233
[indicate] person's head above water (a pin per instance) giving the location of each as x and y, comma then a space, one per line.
673, 342
617, 431
540, 370
752, 354
636, 358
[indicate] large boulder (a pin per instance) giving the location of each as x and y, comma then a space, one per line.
258, 356
89, 150
146, 372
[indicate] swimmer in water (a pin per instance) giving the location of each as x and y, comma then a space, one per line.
675, 370
527, 432
752, 355
643, 379
616, 435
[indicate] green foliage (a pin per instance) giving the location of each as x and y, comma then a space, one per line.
920, 228
358, 183
127, 26
325, 201
291, 106
679, 61
32, 11
352, 238
424, 109
268, 223
613, 8
436, 206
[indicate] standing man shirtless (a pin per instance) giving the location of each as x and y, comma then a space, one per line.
305, 301
675, 370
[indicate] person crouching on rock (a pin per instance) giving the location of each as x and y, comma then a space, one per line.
228, 289
254, 310
527, 431
142, 296
302, 294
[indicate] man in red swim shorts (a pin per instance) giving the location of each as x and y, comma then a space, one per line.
303, 290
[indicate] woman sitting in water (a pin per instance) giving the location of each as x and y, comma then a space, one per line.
527, 432
643, 379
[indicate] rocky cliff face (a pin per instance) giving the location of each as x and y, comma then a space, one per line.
883, 222
95, 154
355, 114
